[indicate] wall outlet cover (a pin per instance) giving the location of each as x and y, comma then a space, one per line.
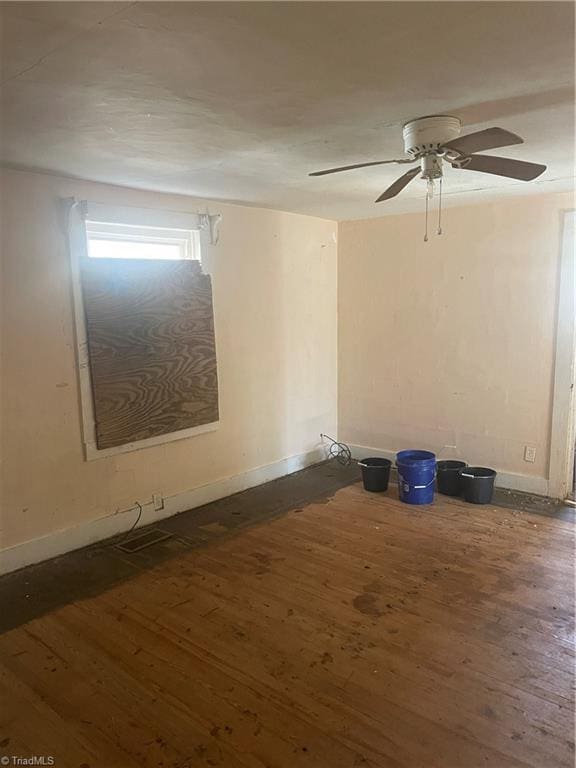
529, 453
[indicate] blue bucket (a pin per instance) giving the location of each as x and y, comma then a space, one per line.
416, 476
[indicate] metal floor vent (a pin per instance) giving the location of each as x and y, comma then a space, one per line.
142, 540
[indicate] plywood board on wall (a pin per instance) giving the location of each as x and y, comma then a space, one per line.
151, 345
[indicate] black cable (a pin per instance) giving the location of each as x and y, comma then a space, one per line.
106, 543
338, 451
129, 531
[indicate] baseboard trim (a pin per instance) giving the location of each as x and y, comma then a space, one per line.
76, 537
510, 480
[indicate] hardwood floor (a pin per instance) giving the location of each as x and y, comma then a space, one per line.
356, 633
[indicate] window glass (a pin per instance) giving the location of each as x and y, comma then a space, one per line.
125, 249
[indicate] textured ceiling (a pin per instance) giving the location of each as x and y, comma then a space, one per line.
239, 101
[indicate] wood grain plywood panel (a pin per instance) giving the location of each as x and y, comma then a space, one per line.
150, 329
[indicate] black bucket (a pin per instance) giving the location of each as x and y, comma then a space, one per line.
477, 484
448, 477
375, 473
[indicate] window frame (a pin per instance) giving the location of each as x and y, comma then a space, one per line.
75, 215
187, 240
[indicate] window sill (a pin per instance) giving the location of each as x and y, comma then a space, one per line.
92, 453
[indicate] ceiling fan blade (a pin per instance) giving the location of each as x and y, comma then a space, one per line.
359, 165
398, 185
503, 166
491, 138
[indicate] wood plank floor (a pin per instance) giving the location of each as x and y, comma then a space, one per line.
359, 632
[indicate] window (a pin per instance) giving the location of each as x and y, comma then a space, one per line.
145, 325
126, 241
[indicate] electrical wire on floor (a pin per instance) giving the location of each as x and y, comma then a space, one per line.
339, 451
106, 543
129, 531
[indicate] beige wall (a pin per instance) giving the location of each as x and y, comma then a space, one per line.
452, 341
274, 283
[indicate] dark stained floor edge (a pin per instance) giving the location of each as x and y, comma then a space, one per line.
38, 589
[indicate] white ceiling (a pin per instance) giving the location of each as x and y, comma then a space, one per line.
239, 101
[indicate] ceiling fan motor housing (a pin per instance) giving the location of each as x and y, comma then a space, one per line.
427, 134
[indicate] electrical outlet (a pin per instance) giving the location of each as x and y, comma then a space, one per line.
158, 501
529, 453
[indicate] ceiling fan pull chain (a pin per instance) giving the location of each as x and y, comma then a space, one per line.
439, 230
426, 221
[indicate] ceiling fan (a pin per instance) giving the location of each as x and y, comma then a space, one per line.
432, 140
